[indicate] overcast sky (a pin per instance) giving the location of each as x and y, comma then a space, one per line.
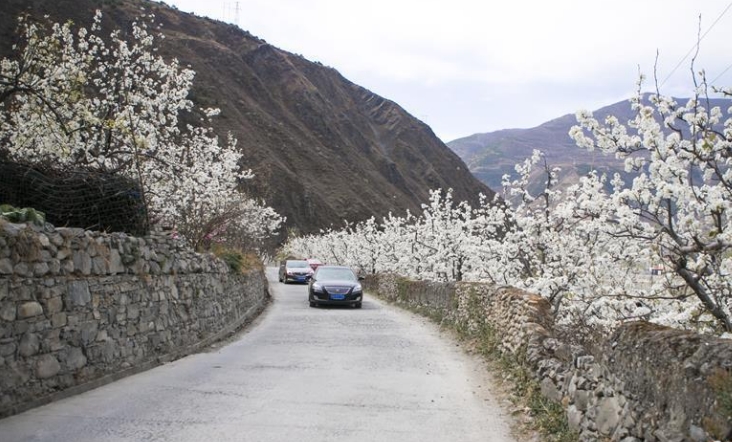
470, 66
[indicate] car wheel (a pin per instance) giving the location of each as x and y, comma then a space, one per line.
313, 304
357, 305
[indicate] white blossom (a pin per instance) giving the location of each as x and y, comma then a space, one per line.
111, 104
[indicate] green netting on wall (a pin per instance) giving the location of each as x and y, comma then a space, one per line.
86, 199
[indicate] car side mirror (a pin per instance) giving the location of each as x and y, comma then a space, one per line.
361, 278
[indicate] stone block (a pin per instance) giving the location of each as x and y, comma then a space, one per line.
75, 358
102, 336
20, 327
56, 239
54, 305
582, 399
574, 418
67, 267
14, 375
145, 326
608, 415
62, 254
73, 320
155, 268
89, 332
6, 266
58, 320
697, 434
99, 266
52, 342
550, 391
82, 262
23, 269
133, 311
4, 289
8, 312
106, 353
29, 310
115, 263
47, 366
43, 240
78, 293
8, 349
54, 266
21, 291
30, 344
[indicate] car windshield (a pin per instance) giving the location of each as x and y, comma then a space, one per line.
297, 264
338, 274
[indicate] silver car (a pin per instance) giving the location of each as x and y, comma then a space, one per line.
295, 270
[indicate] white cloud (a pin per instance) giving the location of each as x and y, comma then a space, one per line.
450, 60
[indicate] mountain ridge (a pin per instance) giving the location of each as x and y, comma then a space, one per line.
322, 148
490, 155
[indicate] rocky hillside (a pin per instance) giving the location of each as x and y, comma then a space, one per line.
491, 155
323, 149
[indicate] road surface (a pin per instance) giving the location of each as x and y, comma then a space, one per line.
298, 374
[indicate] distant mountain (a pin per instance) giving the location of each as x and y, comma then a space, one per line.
491, 155
323, 148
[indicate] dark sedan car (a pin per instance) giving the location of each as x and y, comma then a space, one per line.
335, 285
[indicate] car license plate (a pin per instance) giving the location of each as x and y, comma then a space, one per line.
337, 297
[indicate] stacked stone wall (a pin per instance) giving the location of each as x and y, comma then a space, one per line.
643, 383
81, 308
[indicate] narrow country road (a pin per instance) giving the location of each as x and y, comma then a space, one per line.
299, 374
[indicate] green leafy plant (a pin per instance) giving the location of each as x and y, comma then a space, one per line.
238, 261
721, 382
234, 260
24, 215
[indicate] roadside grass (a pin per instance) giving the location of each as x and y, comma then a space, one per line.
721, 381
238, 261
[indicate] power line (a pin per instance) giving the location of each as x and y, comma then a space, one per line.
231, 9
720, 75
695, 46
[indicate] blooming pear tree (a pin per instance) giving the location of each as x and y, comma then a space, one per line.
80, 99
680, 202
588, 249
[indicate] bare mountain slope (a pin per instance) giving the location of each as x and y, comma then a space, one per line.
491, 155
323, 149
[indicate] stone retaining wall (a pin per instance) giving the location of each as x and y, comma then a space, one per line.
643, 383
80, 308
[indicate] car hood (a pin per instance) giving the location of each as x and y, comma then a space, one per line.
337, 282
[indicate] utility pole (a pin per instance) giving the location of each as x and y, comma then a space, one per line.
232, 9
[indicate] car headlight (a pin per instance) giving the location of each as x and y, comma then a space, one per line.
317, 287
357, 288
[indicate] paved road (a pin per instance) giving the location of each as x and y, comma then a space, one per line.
299, 374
